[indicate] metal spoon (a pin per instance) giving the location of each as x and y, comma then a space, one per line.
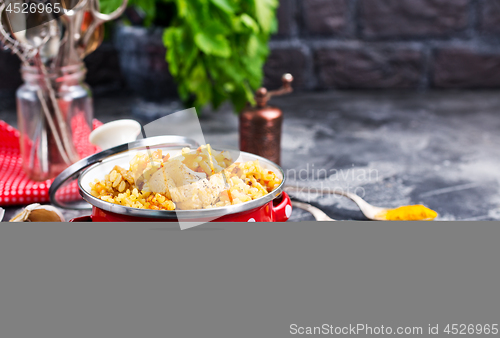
83, 24
51, 48
94, 41
99, 18
44, 36
318, 214
17, 26
72, 19
370, 211
23, 50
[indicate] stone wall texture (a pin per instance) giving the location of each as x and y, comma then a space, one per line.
357, 44
400, 44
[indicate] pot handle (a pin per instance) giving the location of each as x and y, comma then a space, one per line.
282, 208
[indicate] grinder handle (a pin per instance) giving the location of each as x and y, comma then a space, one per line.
262, 95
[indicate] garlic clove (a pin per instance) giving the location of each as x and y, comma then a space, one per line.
39, 213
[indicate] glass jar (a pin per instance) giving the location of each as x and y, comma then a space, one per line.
54, 112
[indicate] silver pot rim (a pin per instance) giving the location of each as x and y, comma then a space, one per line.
184, 214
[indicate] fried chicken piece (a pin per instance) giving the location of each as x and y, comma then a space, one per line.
187, 188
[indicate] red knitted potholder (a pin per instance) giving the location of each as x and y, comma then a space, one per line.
15, 186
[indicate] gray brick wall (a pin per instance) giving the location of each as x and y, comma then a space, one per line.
410, 44
350, 44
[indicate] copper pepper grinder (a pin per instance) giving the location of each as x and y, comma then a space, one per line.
260, 126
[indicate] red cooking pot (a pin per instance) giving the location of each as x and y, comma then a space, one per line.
273, 207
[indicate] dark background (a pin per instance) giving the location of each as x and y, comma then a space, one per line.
355, 44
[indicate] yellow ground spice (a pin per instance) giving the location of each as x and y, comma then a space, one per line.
410, 213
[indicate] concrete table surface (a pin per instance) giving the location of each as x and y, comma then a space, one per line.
438, 148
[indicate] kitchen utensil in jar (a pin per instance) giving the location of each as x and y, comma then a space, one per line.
72, 19
99, 18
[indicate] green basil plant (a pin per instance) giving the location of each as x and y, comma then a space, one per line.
216, 49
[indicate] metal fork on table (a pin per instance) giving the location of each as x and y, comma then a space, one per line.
317, 213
